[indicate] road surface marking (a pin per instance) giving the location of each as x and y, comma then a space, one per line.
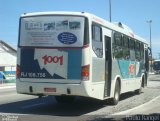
6, 87
130, 110
12, 114
33, 105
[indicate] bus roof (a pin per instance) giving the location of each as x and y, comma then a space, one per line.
119, 27
54, 13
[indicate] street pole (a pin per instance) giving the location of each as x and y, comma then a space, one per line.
150, 32
110, 11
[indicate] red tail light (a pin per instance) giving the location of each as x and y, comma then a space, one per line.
18, 72
85, 72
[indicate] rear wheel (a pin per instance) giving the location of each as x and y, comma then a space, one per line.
115, 99
145, 78
139, 91
65, 99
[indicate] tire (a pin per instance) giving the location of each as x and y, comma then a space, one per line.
115, 99
65, 99
146, 79
138, 91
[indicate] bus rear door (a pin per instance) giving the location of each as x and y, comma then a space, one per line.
108, 60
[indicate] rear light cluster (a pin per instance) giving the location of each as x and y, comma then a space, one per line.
18, 72
85, 72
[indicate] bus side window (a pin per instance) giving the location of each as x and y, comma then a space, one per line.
132, 49
142, 51
126, 52
117, 46
138, 52
97, 43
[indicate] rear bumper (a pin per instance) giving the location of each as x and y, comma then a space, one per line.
59, 89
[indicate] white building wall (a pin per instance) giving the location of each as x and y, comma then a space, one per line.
7, 56
6, 59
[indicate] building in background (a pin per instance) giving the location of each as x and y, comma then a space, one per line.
8, 57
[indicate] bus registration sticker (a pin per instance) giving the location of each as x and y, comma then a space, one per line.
53, 61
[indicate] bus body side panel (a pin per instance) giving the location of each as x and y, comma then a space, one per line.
18, 56
139, 69
98, 77
98, 68
129, 72
140, 72
115, 74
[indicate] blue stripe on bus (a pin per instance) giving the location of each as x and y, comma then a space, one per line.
74, 64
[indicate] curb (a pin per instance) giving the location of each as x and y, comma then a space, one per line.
129, 110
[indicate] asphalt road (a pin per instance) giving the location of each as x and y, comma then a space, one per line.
20, 107
150, 111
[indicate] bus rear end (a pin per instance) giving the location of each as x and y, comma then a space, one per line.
51, 59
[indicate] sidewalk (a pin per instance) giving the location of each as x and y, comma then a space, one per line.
7, 85
151, 73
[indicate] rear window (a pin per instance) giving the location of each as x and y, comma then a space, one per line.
52, 31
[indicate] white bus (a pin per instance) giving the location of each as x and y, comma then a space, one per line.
68, 54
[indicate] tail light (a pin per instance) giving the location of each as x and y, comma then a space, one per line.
18, 72
85, 72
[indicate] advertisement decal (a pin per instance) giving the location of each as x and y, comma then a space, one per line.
67, 38
52, 31
51, 63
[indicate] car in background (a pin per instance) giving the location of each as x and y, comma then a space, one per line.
2, 77
156, 66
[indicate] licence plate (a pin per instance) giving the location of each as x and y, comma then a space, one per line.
50, 89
